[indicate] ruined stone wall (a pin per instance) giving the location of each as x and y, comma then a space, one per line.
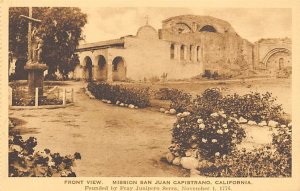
222, 49
267, 52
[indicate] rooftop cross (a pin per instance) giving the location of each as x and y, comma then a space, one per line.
147, 19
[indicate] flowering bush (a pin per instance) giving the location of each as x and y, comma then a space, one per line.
139, 97
180, 101
24, 161
267, 161
212, 136
210, 127
253, 106
209, 102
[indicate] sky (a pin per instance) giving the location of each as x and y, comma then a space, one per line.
251, 24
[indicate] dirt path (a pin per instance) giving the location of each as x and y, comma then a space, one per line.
113, 141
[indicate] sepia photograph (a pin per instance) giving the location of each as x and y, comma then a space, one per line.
150, 92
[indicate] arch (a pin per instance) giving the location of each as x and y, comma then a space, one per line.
182, 28
102, 68
172, 51
208, 28
273, 52
88, 68
118, 69
20, 72
182, 52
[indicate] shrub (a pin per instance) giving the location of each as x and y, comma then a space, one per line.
139, 97
209, 102
24, 161
180, 101
165, 93
267, 161
207, 74
253, 106
154, 79
214, 135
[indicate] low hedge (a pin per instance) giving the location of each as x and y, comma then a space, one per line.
138, 97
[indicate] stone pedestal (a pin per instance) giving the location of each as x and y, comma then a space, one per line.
35, 77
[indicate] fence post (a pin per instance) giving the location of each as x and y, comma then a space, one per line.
10, 90
36, 99
64, 96
72, 91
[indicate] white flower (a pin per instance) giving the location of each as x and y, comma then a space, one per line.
202, 126
214, 115
204, 140
226, 130
233, 135
51, 163
199, 121
194, 137
233, 141
186, 113
16, 148
224, 115
220, 132
217, 154
214, 140
224, 125
178, 126
224, 156
221, 112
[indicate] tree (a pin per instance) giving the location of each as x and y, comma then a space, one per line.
61, 31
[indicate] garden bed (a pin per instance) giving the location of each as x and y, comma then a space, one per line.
205, 136
53, 97
120, 95
25, 161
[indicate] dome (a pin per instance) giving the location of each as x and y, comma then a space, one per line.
147, 32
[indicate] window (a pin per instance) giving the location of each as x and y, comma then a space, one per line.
172, 51
191, 52
182, 52
208, 28
198, 53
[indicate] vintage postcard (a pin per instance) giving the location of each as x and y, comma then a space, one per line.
153, 96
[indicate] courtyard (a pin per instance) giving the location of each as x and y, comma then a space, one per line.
116, 141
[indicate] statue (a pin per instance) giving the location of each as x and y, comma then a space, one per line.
37, 44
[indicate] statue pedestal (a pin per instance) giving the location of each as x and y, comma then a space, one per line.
35, 77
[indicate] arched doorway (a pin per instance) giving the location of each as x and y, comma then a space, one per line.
277, 59
118, 69
281, 63
102, 68
20, 72
88, 69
